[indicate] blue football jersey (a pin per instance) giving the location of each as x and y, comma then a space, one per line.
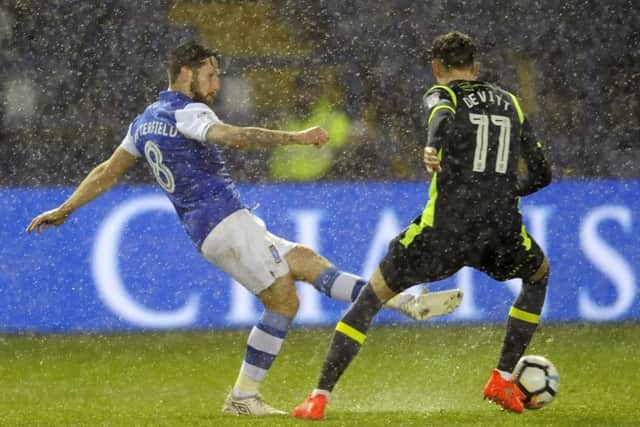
171, 136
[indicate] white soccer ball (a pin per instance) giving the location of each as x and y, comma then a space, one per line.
538, 379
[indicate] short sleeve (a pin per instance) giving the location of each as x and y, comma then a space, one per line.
129, 145
194, 120
439, 95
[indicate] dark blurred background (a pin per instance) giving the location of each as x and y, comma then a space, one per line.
75, 73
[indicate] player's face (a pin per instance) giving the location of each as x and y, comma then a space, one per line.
205, 82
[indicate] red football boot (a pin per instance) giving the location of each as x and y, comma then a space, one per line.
312, 408
504, 392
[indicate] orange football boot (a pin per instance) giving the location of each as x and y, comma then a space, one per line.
312, 408
504, 392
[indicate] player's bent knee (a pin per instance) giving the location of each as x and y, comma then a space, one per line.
285, 307
281, 298
542, 271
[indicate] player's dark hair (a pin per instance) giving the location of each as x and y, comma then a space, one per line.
190, 54
454, 50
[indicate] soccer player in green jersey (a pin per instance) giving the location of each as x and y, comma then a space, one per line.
484, 155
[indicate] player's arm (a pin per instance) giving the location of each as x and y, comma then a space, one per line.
243, 137
199, 122
99, 180
440, 105
537, 172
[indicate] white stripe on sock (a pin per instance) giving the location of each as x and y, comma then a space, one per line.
260, 340
253, 372
343, 287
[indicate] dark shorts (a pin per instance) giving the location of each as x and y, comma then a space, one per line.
503, 251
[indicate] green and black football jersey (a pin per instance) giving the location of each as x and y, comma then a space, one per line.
481, 135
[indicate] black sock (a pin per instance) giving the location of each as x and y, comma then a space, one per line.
349, 336
524, 317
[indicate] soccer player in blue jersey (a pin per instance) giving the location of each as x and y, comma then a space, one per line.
179, 136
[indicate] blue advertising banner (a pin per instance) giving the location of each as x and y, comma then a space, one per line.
123, 262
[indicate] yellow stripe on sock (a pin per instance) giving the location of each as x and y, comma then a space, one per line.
525, 316
352, 333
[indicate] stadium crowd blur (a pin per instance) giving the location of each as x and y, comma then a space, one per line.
75, 73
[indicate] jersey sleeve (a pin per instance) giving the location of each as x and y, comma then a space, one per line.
195, 119
537, 172
129, 145
440, 104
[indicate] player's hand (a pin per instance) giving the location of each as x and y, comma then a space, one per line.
312, 136
47, 219
431, 160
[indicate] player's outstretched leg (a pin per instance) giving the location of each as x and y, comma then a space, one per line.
311, 267
524, 317
346, 342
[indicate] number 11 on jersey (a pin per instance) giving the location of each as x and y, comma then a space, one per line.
482, 141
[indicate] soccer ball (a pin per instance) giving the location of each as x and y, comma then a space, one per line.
538, 379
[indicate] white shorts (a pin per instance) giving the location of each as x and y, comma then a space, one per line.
241, 246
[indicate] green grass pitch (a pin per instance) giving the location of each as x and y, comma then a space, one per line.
409, 376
